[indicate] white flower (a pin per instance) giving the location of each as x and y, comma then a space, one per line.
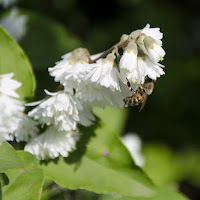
8, 122
137, 76
93, 93
152, 49
15, 24
154, 33
13, 122
69, 72
86, 116
101, 84
156, 53
133, 144
145, 67
26, 128
8, 86
52, 143
154, 70
128, 60
97, 95
60, 109
7, 3
10, 108
106, 74
59, 72
75, 76
18, 126
116, 98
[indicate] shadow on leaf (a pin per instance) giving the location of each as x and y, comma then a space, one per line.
81, 146
86, 134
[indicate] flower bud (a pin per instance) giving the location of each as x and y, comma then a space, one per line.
110, 58
128, 60
135, 34
81, 55
124, 38
132, 47
140, 39
155, 51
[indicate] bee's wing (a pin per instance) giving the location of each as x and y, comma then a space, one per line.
144, 102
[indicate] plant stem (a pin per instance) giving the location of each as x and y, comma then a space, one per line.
105, 53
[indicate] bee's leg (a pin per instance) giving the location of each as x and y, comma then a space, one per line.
129, 85
142, 88
124, 102
74, 91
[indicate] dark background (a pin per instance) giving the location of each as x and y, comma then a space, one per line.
171, 114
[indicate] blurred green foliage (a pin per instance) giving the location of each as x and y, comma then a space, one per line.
171, 115
113, 118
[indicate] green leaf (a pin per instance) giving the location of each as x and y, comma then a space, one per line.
46, 40
163, 194
25, 183
13, 59
114, 118
101, 164
23, 175
46, 194
47, 191
9, 158
3, 179
0, 192
190, 159
161, 164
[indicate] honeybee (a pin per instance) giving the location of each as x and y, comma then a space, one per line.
141, 94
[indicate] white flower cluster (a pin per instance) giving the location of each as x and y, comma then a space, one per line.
13, 122
52, 143
142, 54
89, 81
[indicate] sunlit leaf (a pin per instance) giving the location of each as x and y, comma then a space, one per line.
114, 118
101, 164
25, 183
160, 164
13, 59
9, 158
